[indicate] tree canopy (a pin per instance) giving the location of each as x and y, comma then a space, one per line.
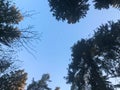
70, 10
9, 17
105, 4
11, 78
15, 80
96, 60
40, 84
74, 10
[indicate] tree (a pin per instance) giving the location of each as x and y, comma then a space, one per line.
105, 4
11, 78
96, 60
84, 70
9, 17
41, 84
15, 80
70, 10
74, 10
99, 4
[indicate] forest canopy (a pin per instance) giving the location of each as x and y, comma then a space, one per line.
73, 11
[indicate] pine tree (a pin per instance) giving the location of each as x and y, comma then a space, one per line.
41, 84
99, 4
105, 4
10, 16
15, 80
84, 69
69, 10
74, 10
96, 60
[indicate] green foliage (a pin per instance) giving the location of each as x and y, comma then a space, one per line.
107, 39
4, 64
105, 4
9, 17
15, 80
100, 4
83, 63
70, 10
97, 59
6, 60
9, 14
41, 84
10, 78
74, 10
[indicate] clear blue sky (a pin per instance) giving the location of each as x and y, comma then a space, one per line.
53, 52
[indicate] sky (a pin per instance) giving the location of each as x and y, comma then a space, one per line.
53, 52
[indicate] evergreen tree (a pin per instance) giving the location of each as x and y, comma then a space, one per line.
10, 16
84, 70
99, 4
70, 10
96, 60
74, 10
10, 77
105, 4
107, 40
41, 84
15, 80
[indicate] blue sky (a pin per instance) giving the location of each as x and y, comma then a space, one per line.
53, 52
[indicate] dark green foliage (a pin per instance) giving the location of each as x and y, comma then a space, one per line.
9, 14
15, 80
41, 84
97, 57
9, 17
6, 59
105, 4
107, 39
10, 78
4, 64
99, 4
74, 10
82, 63
8, 34
70, 10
